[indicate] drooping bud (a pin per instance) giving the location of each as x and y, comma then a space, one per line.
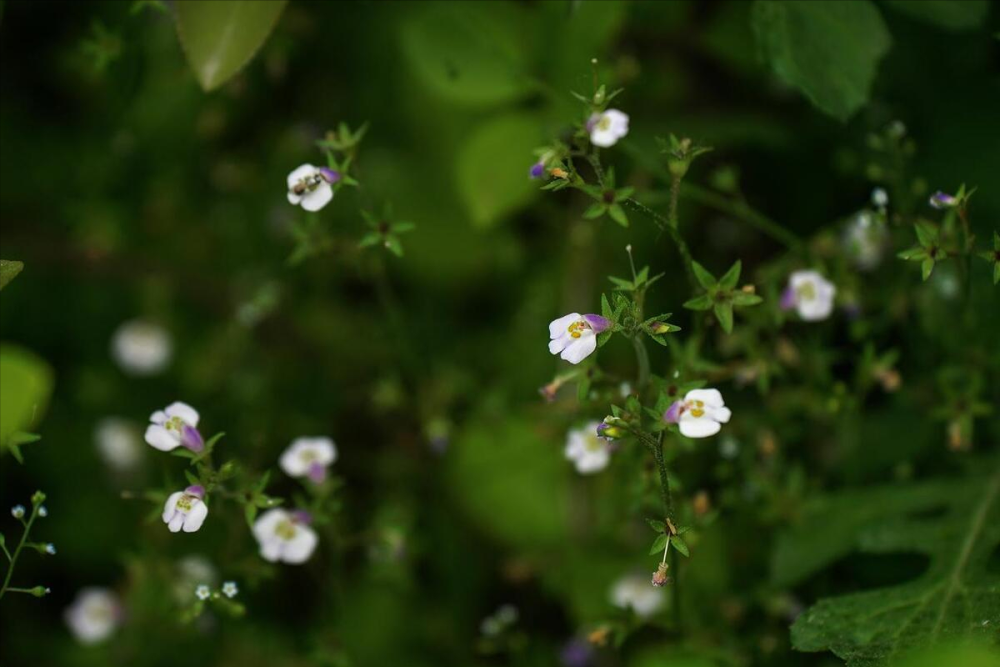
537, 170
660, 577
673, 413
191, 438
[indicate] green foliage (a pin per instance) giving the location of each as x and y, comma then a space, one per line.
220, 38
8, 270
25, 386
829, 50
956, 597
948, 14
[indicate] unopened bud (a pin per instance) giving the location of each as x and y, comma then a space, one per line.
559, 172
660, 577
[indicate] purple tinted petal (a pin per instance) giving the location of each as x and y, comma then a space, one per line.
673, 413
317, 473
537, 170
787, 299
592, 121
329, 175
198, 491
301, 516
597, 323
191, 438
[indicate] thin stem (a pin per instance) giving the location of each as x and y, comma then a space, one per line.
642, 358
665, 225
675, 192
661, 465
13, 589
17, 551
743, 211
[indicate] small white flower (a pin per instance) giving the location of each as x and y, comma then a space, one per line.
118, 443
191, 571
94, 615
17, 511
285, 536
141, 348
309, 457
701, 414
43, 511
574, 337
311, 187
607, 128
230, 589
586, 450
880, 198
203, 592
50, 549
636, 592
810, 294
864, 239
185, 510
175, 426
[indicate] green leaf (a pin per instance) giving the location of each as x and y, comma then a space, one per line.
724, 313
657, 525
9, 269
927, 268
956, 523
659, 544
703, 302
25, 386
947, 14
927, 233
490, 167
617, 214
915, 253
595, 211
220, 38
472, 53
705, 279
680, 545
827, 49
732, 276
745, 299
606, 311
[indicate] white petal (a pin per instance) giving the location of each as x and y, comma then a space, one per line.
318, 198
698, 427
270, 550
294, 198
195, 517
161, 438
184, 411
292, 463
557, 345
721, 415
558, 327
301, 172
603, 138
170, 507
710, 397
263, 527
814, 310
619, 122
323, 449
158, 417
176, 522
299, 548
581, 348
593, 461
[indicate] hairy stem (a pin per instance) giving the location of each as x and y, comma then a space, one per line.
642, 358
666, 225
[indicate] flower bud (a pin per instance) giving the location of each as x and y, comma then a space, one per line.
940, 200
559, 172
660, 577
40, 591
659, 327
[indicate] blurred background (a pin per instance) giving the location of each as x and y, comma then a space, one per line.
132, 195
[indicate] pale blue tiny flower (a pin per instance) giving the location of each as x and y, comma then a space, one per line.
17, 511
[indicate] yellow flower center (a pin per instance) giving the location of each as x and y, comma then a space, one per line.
696, 408
285, 530
806, 291
577, 328
604, 123
185, 502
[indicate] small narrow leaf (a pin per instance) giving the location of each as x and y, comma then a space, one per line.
732, 276
705, 279
724, 313
659, 544
8, 270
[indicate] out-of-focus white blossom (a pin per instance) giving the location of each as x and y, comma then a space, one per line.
588, 452
94, 615
810, 294
635, 591
285, 536
118, 443
607, 128
141, 348
309, 457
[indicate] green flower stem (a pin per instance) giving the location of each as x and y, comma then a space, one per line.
675, 193
666, 225
642, 358
17, 552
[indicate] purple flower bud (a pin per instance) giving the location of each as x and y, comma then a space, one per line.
301, 516
537, 170
673, 413
317, 472
576, 653
191, 438
597, 323
787, 299
198, 491
941, 200
329, 175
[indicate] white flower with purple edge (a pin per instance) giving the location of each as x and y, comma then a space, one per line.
607, 127
94, 615
589, 452
810, 294
285, 536
635, 592
309, 457
701, 414
141, 348
311, 187
173, 427
185, 510
940, 200
574, 337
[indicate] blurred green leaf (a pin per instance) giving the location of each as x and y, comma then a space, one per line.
220, 38
956, 597
8, 270
948, 14
25, 386
828, 50
492, 167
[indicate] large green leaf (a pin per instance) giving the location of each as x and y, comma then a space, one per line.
471, 52
25, 387
8, 269
220, 37
492, 166
829, 50
955, 523
947, 14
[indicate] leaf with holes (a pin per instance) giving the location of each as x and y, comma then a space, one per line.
956, 523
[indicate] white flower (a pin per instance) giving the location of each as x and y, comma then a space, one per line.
17, 511
141, 348
94, 615
43, 511
864, 239
607, 128
118, 443
309, 457
880, 198
810, 294
636, 592
700, 415
50, 549
285, 536
586, 450
230, 589
203, 592
574, 336
311, 187
173, 427
185, 509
